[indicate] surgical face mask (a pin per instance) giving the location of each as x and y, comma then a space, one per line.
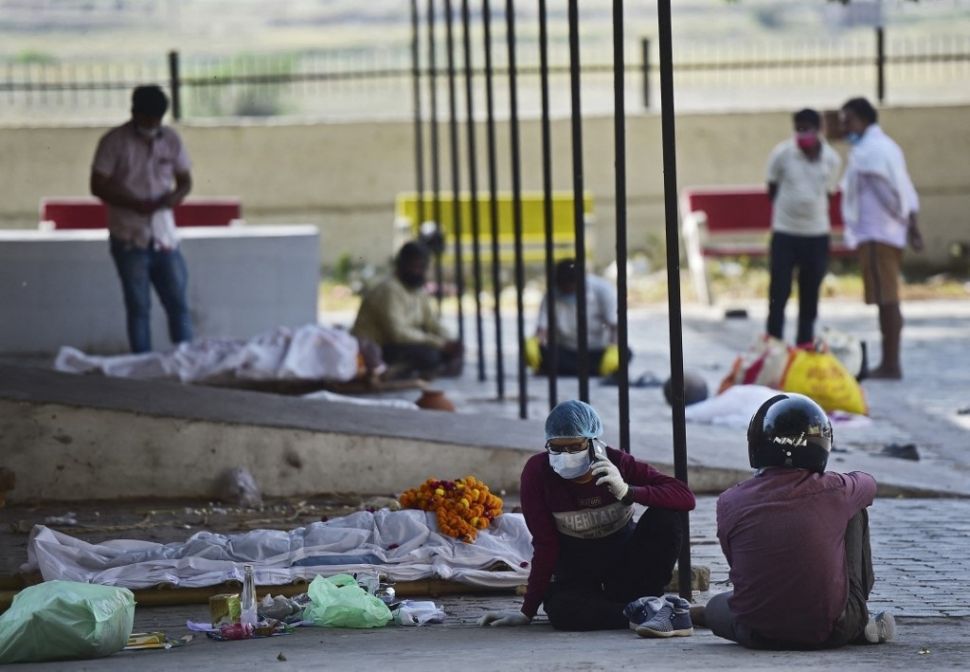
570, 465
149, 132
853, 138
806, 140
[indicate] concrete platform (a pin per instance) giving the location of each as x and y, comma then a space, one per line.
69, 437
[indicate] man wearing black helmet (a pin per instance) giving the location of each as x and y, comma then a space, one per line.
797, 540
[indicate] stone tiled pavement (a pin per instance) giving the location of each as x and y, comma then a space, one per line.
920, 548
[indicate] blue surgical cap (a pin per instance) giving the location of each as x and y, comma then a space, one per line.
573, 418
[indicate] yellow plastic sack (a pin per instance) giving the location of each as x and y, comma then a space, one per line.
821, 376
610, 363
533, 355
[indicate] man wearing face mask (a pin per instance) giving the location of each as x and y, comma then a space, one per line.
141, 171
880, 208
600, 318
399, 316
803, 172
593, 567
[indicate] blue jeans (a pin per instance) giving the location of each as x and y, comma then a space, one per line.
139, 269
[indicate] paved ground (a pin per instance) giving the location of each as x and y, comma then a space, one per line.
924, 409
920, 557
920, 545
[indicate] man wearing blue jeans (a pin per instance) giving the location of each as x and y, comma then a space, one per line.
142, 171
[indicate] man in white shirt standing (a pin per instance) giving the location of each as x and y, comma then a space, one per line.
600, 318
803, 172
879, 206
142, 171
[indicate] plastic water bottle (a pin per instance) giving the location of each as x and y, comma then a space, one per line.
247, 601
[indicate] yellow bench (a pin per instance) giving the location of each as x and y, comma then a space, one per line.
533, 225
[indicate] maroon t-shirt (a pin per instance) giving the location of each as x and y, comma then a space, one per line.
783, 534
554, 506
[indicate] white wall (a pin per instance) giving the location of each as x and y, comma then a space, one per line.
61, 288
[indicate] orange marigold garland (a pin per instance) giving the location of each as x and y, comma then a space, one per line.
462, 507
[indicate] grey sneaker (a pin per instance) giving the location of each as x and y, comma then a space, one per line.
672, 620
641, 610
881, 628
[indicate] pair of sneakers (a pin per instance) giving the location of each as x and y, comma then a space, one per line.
660, 617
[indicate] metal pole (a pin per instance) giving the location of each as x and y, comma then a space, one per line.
645, 60
473, 187
552, 332
516, 207
673, 277
493, 200
578, 209
435, 168
880, 64
175, 83
455, 170
619, 138
418, 128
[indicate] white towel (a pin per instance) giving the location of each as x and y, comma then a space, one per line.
164, 234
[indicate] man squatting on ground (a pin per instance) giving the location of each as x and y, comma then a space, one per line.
141, 171
797, 540
593, 567
803, 172
880, 207
398, 315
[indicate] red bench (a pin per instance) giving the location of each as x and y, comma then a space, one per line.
90, 213
720, 222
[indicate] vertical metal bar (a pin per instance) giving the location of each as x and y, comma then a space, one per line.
619, 138
673, 276
175, 84
645, 60
435, 167
880, 64
516, 206
552, 333
582, 335
473, 187
493, 200
418, 128
455, 170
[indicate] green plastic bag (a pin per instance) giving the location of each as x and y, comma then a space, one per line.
338, 602
58, 620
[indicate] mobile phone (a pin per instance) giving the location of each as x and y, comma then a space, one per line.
598, 449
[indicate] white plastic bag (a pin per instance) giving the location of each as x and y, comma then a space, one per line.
412, 612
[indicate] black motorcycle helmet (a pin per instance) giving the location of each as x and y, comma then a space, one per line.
790, 430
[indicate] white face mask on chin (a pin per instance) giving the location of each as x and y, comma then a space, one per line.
149, 133
570, 465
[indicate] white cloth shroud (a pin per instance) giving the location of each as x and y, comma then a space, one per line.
311, 352
404, 545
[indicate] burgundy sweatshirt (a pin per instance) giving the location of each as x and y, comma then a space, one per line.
554, 506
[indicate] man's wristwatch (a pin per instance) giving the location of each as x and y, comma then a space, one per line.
628, 497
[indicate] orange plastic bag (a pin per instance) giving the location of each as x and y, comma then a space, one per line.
821, 376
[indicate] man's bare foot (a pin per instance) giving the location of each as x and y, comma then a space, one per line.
884, 373
698, 616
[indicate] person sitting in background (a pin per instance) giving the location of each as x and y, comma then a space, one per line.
797, 540
399, 316
600, 318
593, 567
803, 172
